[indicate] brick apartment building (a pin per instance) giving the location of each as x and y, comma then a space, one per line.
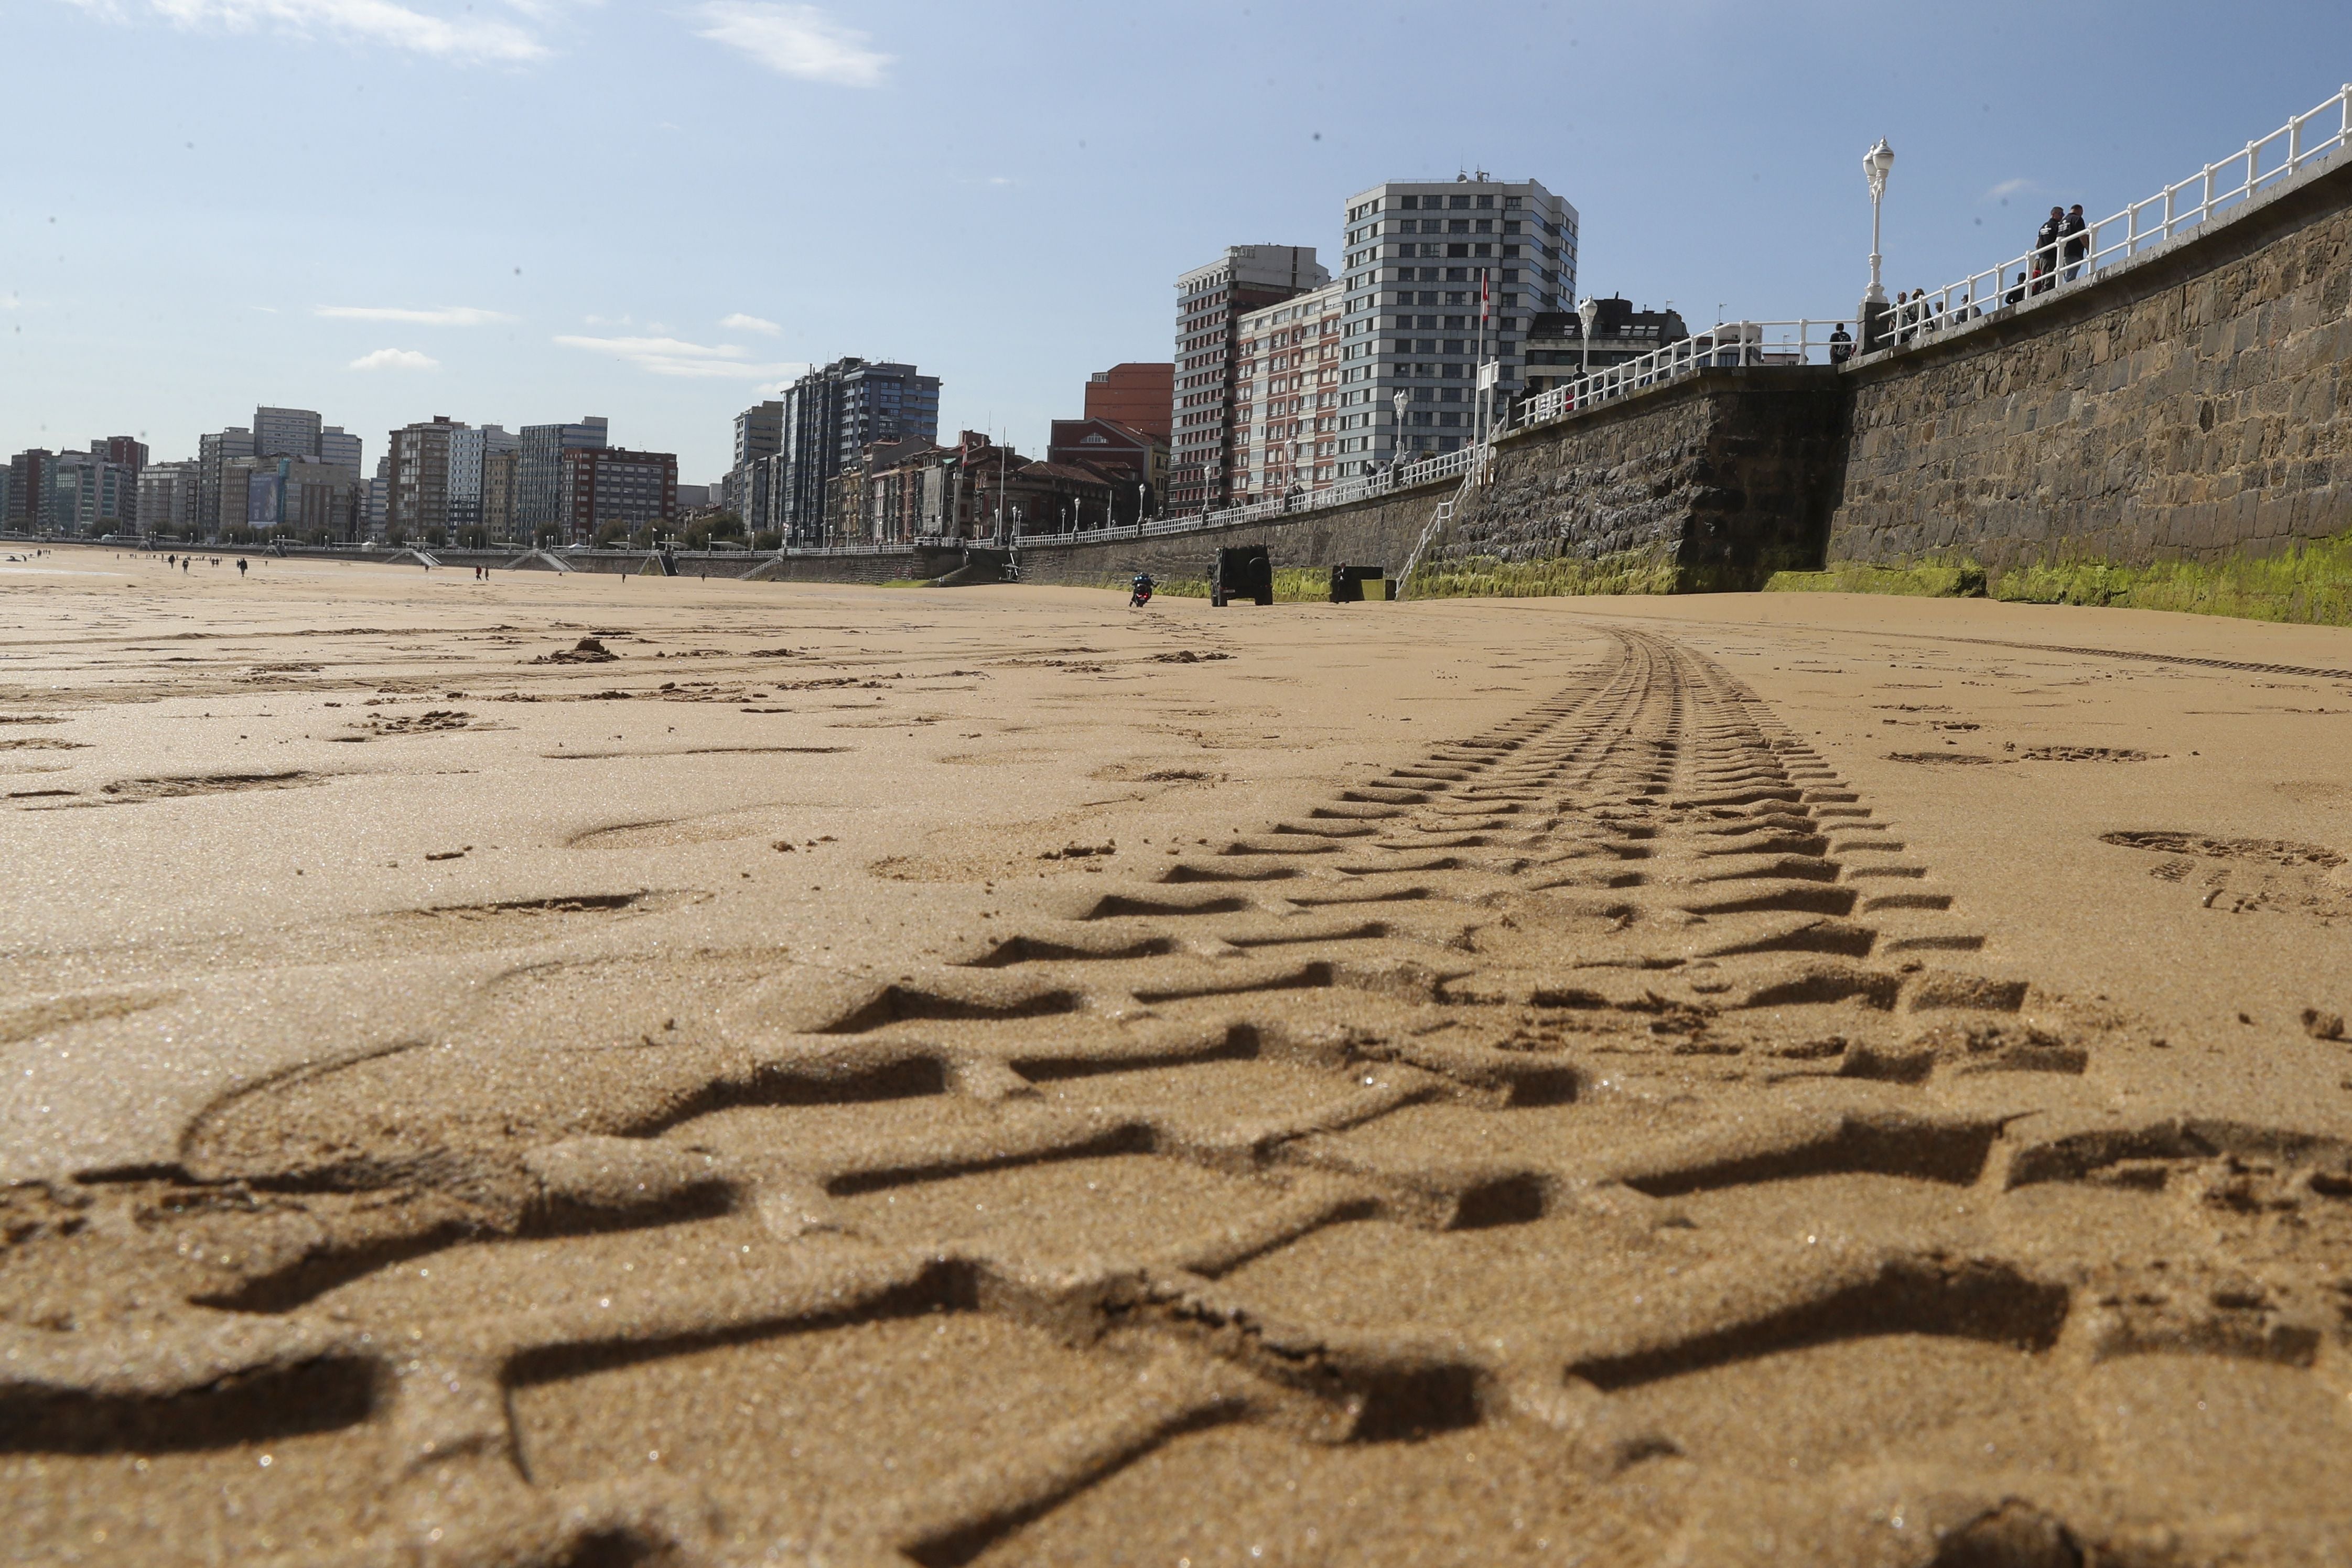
604, 484
1139, 395
1286, 396
1210, 301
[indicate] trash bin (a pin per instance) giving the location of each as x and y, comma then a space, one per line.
1354, 584
1243, 572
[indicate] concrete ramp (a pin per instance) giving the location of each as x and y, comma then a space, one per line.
538, 560
410, 557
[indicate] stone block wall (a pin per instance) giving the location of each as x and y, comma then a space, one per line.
2192, 405
1379, 532
1717, 481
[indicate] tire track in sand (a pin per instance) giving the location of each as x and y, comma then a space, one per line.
1544, 1094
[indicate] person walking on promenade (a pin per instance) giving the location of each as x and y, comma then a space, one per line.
2046, 251
1841, 345
2072, 231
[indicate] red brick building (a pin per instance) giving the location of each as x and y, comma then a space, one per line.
1138, 395
1120, 453
611, 485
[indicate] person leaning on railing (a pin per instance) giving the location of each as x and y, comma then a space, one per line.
2046, 251
2071, 230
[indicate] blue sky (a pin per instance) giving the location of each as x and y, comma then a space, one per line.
523, 210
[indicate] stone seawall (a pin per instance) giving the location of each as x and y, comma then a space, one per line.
1379, 532
1715, 481
2192, 405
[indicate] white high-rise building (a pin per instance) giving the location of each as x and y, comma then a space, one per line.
1435, 271
285, 433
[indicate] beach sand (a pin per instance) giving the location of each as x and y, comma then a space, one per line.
586, 1069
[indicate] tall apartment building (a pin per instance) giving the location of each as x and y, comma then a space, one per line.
500, 472
1286, 396
469, 452
611, 485
27, 487
831, 415
309, 495
285, 433
1141, 395
84, 493
167, 498
131, 453
539, 477
336, 446
1432, 269
214, 453
759, 435
375, 500
418, 497
1210, 302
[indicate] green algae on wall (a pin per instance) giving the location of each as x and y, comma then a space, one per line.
2311, 583
1967, 581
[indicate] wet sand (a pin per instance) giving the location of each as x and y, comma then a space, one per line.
851, 1075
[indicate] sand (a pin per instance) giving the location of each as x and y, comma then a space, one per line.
859, 1076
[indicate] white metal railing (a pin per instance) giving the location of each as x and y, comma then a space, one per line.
1406, 476
1727, 344
2075, 258
1731, 343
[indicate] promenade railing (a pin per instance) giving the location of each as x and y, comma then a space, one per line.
1725, 345
2074, 259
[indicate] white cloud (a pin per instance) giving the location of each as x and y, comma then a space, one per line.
794, 41
395, 360
739, 322
675, 357
446, 316
2009, 188
464, 36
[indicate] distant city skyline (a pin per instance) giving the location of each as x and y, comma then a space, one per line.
385, 210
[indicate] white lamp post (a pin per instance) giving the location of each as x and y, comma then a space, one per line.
1874, 165
1588, 310
1401, 398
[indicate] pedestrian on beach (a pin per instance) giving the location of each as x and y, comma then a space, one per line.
240, 566
2046, 251
2073, 230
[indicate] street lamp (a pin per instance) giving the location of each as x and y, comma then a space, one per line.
1874, 165
1401, 398
1588, 310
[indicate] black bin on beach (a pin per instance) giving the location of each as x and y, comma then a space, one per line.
1347, 583
1243, 572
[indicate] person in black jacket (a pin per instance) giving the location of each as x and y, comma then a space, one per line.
2071, 230
2016, 294
2046, 251
1841, 345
